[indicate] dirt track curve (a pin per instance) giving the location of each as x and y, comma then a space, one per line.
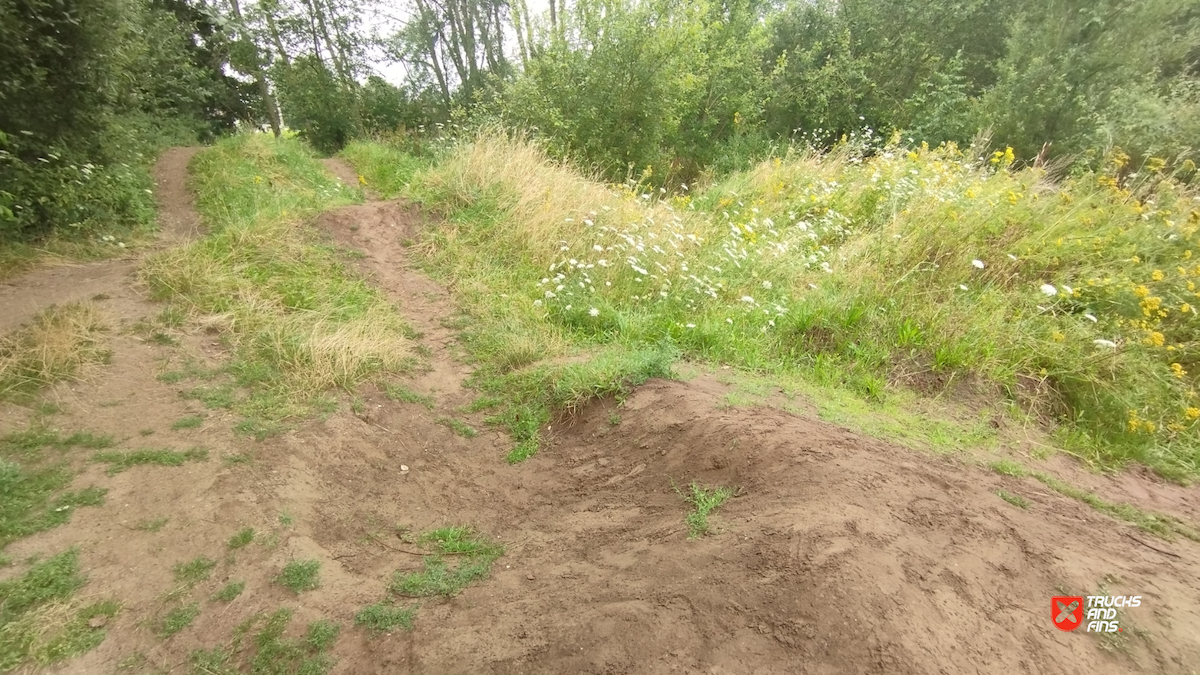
841, 554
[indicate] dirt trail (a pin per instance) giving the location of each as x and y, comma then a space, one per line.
840, 554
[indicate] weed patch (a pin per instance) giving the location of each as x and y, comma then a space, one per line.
189, 422
230, 591
269, 651
151, 525
177, 619
300, 575
194, 571
1158, 524
457, 426
120, 461
704, 501
33, 495
242, 539
472, 555
403, 394
383, 617
1014, 499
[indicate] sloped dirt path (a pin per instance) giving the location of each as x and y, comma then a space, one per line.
840, 553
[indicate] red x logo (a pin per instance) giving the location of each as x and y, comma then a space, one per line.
1066, 611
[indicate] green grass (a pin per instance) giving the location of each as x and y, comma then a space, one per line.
119, 461
229, 591
460, 556
458, 426
194, 571
33, 482
177, 619
398, 392
385, 170
189, 422
269, 651
383, 617
40, 622
704, 501
532, 396
151, 524
300, 322
1014, 499
1158, 524
300, 575
242, 539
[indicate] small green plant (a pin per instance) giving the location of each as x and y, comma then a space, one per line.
259, 429
704, 501
473, 553
236, 458
229, 591
383, 617
177, 619
194, 571
269, 651
458, 426
212, 397
243, 538
1014, 499
189, 422
146, 432
403, 394
152, 524
1008, 467
300, 575
120, 461
614, 419
322, 633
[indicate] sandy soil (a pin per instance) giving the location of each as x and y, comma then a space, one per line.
840, 553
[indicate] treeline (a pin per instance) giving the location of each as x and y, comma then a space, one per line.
667, 89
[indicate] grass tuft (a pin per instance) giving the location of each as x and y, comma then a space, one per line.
194, 571
177, 619
458, 426
33, 495
1014, 499
242, 539
120, 461
473, 555
403, 394
300, 575
56, 345
383, 617
704, 501
230, 591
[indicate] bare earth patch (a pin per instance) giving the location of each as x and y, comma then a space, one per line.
837, 552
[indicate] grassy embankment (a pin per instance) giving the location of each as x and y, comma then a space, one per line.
916, 271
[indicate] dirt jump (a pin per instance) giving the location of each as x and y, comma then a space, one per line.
837, 553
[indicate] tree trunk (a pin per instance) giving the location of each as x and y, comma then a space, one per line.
264, 89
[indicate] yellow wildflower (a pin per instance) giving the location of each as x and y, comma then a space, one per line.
1155, 339
1177, 370
1141, 291
1149, 426
1058, 336
1156, 275
1192, 413
1185, 308
1187, 254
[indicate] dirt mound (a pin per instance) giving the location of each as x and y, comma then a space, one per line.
839, 553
